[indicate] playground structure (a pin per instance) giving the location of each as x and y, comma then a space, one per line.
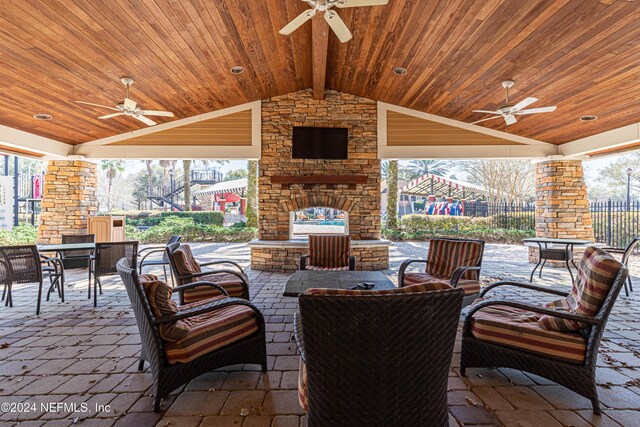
169, 194
226, 195
20, 195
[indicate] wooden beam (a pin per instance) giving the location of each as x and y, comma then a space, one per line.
320, 47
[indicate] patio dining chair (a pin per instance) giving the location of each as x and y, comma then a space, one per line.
328, 252
558, 341
376, 358
24, 264
163, 260
79, 258
626, 253
186, 269
103, 263
182, 343
453, 261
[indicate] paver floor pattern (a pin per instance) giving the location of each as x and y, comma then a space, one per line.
74, 353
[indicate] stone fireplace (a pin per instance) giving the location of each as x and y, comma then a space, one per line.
286, 185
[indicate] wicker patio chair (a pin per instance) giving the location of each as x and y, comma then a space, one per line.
79, 258
626, 253
557, 341
157, 261
186, 269
454, 261
232, 327
103, 262
24, 264
328, 253
376, 358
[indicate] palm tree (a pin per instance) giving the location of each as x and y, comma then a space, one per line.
148, 164
113, 168
418, 168
186, 165
392, 195
252, 194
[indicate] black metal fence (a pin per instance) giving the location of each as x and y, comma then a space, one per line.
615, 222
511, 216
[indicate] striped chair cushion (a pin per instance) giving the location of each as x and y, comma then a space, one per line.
185, 261
302, 386
230, 282
596, 274
515, 328
158, 294
447, 255
469, 286
329, 251
422, 287
211, 331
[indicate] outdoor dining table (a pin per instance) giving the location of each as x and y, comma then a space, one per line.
62, 247
562, 252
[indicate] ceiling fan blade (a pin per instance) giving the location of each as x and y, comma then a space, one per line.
144, 120
484, 120
108, 116
510, 119
338, 26
297, 22
97, 105
130, 103
156, 113
537, 110
357, 3
524, 103
487, 112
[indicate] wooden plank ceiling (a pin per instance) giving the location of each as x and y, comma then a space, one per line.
583, 56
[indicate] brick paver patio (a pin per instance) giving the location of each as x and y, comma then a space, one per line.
74, 353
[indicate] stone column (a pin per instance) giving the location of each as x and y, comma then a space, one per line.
562, 206
69, 199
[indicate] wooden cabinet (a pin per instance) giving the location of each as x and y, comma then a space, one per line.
107, 228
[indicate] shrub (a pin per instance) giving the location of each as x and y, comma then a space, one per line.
493, 235
19, 235
191, 231
153, 218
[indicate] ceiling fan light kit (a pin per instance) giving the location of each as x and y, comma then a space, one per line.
129, 107
508, 111
336, 23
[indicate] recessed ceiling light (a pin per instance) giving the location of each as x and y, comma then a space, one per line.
399, 71
588, 118
41, 116
237, 69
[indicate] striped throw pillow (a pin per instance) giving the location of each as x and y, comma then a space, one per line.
159, 296
447, 255
185, 261
596, 275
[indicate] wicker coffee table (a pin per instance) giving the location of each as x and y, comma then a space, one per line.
302, 280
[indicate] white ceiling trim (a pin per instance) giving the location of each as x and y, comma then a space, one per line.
28, 141
255, 107
383, 107
616, 138
169, 152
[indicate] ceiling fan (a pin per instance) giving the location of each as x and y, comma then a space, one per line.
335, 22
130, 108
509, 111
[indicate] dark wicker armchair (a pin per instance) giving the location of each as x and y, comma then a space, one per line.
626, 253
169, 374
505, 333
163, 260
454, 261
80, 258
376, 360
328, 253
103, 262
186, 269
24, 264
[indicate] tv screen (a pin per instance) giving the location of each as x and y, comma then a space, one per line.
320, 143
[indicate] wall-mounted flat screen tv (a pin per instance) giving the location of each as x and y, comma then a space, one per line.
320, 143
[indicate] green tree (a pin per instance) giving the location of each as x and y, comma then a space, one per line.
417, 168
139, 184
113, 168
235, 174
148, 164
392, 196
614, 178
504, 180
252, 193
